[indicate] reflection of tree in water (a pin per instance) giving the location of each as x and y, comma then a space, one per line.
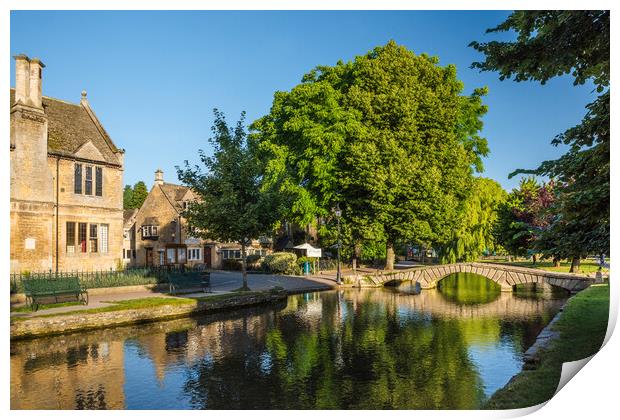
378, 358
469, 289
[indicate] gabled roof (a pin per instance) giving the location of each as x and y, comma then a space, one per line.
175, 194
72, 126
128, 215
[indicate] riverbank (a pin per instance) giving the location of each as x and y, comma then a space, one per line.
581, 329
137, 311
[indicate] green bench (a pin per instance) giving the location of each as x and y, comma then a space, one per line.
48, 287
189, 280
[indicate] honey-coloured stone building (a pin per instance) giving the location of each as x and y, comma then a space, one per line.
66, 181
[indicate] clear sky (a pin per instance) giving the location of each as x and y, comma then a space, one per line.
153, 78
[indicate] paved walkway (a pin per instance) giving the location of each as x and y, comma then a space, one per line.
221, 282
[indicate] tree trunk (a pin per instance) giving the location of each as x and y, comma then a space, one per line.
244, 268
556, 262
389, 256
356, 254
574, 265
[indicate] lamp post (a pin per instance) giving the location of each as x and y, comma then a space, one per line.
338, 213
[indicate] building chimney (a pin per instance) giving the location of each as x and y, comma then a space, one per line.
36, 75
159, 177
22, 78
28, 75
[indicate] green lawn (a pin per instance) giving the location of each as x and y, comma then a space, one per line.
585, 267
28, 309
582, 328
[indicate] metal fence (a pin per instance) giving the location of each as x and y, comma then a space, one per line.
105, 278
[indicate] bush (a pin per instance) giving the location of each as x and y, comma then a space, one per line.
281, 262
254, 262
231, 265
251, 259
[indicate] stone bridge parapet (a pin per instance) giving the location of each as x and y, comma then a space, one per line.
507, 276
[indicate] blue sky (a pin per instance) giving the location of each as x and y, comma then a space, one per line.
153, 78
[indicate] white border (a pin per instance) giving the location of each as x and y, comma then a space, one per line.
592, 395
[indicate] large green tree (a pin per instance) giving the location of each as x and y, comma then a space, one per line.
127, 197
133, 197
550, 44
387, 136
476, 232
139, 194
524, 216
231, 205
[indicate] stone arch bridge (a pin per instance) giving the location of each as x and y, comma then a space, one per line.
507, 276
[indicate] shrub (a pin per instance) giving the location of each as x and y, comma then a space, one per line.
254, 262
281, 262
250, 259
231, 265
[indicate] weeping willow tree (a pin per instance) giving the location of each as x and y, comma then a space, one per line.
474, 235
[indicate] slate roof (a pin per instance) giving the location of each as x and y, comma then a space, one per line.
128, 214
175, 194
70, 126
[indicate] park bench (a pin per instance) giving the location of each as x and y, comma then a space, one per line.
188, 280
37, 289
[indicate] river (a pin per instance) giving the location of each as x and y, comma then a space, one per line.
447, 348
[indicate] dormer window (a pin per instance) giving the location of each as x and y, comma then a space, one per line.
150, 232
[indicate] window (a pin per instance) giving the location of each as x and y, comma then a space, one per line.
193, 254
149, 231
161, 256
134, 254
171, 256
82, 236
88, 182
99, 181
181, 255
103, 238
231, 254
77, 181
70, 237
93, 238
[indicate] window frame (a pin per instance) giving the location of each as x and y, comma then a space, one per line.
70, 245
77, 178
88, 180
98, 181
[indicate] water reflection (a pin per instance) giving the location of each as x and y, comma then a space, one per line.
448, 348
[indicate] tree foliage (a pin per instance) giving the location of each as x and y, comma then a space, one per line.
549, 44
231, 206
475, 234
524, 216
388, 137
133, 197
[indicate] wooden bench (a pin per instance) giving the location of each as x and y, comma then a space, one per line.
188, 280
47, 287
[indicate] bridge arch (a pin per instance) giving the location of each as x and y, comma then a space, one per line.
505, 275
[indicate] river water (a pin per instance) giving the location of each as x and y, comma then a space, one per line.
448, 348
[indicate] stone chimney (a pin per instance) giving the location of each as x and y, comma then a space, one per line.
159, 177
28, 76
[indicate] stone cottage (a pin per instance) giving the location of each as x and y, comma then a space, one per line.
161, 236
66, 181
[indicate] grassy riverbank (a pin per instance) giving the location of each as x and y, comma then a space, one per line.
582, 327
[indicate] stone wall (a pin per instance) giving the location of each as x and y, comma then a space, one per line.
31, 191
61, 324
